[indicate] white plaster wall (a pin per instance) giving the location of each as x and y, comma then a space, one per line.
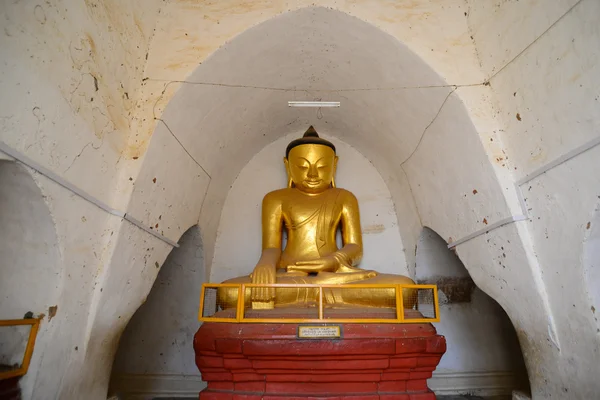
69, 84
76, 353
159, 337
503, 29
546, 91
479, 335
30, 271
457, 192
31, 275
73, 84
69, 88
452, 179
55, 51
71, 97
170, 187
238, 245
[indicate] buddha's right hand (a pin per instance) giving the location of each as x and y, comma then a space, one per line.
263, 274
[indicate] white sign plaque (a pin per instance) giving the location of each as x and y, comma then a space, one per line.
319, 332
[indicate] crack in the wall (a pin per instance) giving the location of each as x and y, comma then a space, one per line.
76, 157
412, 194
159, 99
183, 147
308, 90
472, 35
82, 150
535, 40
429, 125
204, 198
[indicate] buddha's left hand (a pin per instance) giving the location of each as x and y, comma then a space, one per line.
329, 263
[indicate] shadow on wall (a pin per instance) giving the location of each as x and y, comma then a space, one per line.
158, 341
30, 269
28, 246
483, 348
591, 264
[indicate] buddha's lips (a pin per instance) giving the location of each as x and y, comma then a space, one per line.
313, 183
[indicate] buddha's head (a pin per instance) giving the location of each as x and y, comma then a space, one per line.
311, 163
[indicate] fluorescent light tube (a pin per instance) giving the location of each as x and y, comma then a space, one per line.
313, 103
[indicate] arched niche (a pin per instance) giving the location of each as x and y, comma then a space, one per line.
235, 103
30, 265
483, 348
158, 339
30, 274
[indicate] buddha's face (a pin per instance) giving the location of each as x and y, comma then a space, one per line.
311, 167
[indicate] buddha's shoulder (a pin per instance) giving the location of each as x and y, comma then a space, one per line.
345, 194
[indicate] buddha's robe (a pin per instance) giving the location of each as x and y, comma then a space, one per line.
312, 224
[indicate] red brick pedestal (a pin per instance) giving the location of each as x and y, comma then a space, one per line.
268, 361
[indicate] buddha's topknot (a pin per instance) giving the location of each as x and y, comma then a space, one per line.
310, 137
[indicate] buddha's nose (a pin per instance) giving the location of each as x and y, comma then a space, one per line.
313, 172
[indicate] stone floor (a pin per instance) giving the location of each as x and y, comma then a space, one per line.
448, 397
468, 397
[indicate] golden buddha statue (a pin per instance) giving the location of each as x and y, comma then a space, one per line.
312, 209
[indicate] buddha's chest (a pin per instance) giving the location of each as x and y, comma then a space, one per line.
311, 214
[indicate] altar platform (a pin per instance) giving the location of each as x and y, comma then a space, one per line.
320, 351
359, 361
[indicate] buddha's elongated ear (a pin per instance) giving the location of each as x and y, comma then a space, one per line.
290, 183
335, 161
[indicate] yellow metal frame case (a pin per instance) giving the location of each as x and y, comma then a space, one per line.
240, 317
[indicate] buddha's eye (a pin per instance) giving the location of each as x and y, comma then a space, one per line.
322, 166
303, 167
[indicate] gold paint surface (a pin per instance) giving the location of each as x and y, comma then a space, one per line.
311, 209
